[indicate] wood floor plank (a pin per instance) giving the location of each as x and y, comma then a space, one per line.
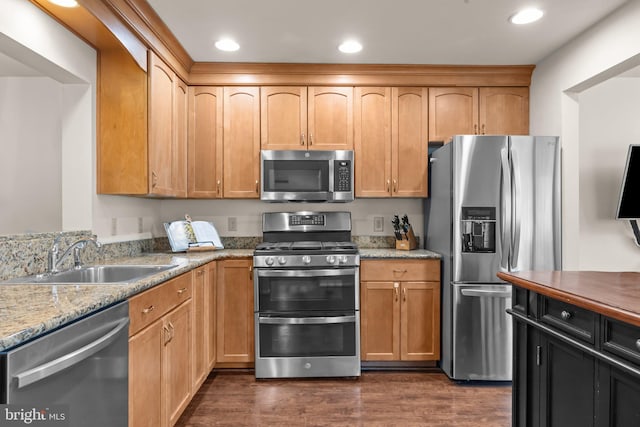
375, 399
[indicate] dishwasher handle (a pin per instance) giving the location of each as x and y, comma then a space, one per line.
485, 293
63, 362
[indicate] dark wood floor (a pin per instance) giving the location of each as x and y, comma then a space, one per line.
375, 399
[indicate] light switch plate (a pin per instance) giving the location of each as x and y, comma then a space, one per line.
378, 223
232, 223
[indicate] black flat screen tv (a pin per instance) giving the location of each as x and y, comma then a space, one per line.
629, 201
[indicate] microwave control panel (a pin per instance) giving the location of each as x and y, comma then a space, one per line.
342, 178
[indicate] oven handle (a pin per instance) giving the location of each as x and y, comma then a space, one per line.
305, 320
306, 273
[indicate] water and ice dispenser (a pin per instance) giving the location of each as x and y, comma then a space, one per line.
478, 229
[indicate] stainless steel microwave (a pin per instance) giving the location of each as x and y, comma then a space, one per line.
306, 176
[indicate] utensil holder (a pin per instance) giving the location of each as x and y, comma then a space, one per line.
409, 243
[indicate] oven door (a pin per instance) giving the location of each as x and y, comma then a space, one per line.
312, 290
327, 345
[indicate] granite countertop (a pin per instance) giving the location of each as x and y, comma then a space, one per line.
612, 294
395, 253
28, 310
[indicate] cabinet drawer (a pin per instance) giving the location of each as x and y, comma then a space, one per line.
575, 321
400, 270
621, 339
153, 303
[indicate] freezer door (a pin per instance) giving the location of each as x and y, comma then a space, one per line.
535, 212
481, 332
481, 184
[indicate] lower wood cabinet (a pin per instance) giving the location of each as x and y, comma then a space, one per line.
204, 323
235, 322
400, 310
160, 353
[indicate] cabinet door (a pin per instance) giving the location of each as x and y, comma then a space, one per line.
619, 397
380, 321
567, 384
241, 144
161, 154
200, 361
420, 321
210, 309
452, 111
178, 374
235, 311
283, 118
205, 142
145, 377
409, 137
504, 111
372, 141
330, 118
179, 145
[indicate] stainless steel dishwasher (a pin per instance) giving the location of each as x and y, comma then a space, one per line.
75, 376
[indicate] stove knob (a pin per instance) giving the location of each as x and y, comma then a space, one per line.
331, 259
282, 260
342, 259
269, 261
306, 259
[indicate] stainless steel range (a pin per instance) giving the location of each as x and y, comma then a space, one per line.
307, 296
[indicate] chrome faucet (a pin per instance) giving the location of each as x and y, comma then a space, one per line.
54, 260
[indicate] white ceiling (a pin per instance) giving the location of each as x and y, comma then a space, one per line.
392, 32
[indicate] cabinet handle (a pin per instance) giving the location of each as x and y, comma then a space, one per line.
182, 291
638, 345
302, 139
172, 330
154, 179
200, 273
257, 189
395, 289
404, 294
475, 129
251, 272
388, 186
400, 271
565, 315
483, 131
395, 185
310, 139
167, 334
148, 309
218, 187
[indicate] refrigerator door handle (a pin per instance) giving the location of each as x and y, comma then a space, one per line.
505, 213
515, 245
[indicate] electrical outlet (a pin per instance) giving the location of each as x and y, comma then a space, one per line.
140, 225
114, 226
378, 224
232, 223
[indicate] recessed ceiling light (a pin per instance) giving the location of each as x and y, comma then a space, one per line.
526, 16
65, 3
227, 45
350, 46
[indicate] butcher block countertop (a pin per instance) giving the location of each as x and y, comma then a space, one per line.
612, 294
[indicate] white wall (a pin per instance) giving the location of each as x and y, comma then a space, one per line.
31, 36
248, 213
609, 122
30, 164
603, 51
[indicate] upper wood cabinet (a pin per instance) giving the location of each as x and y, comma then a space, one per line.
504, 110
205, 142
391, 147
241, 142
313, 118
477, 111
167, 131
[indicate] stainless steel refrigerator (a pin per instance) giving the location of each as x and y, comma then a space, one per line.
494, 206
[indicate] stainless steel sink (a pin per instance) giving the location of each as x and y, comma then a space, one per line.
96, 274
